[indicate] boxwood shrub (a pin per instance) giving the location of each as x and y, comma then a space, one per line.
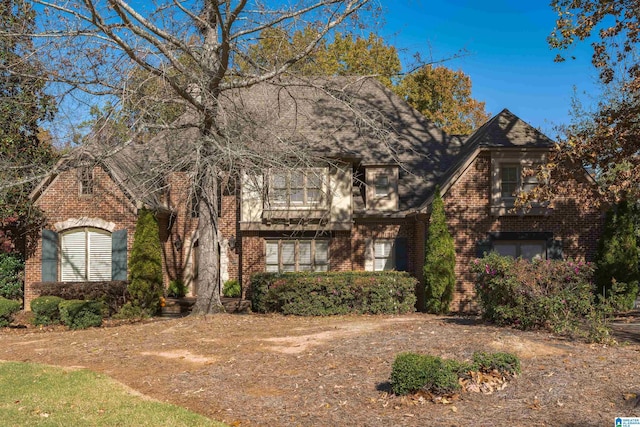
329, 293
8, 309
80, 314
412, 372
46, 310
113, 293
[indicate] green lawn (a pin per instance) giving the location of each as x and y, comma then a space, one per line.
39, 395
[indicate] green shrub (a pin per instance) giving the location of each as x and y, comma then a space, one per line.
11, 274
177, 289
8, 309
330, 293
505, 363
617, 273
80, 314
553, 295
231, 289
129, 311
440, 261
112, 293
145, 264
412, 372
46, 310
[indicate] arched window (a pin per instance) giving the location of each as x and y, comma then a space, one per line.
85, 255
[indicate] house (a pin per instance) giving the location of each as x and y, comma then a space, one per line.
355, 193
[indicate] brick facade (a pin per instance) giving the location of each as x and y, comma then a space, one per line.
61, 201
467, 205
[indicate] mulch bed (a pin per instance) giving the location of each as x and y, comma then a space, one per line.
275, 370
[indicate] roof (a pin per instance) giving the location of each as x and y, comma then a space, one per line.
355, 118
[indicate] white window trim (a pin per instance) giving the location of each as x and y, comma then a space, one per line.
391, 259
314, 260
503, 205
322, 173
88, 258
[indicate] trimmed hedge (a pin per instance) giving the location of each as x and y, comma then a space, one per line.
114, 293
8, 309
78, 314
412, 372
330, 293
11, 276
46, 310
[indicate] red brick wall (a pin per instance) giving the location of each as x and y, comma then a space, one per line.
61, 201
467, 204
340, 251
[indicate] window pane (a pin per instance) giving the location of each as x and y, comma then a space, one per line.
279, 180
314, 196
382, 185
272, 254
322, 267
506, 248
304, 253
73, 256
531, 250
380, 264
322, 252
509, 189
382, 249
314, 180
99, 255
297, 195
509, 173
288, 254
297, 179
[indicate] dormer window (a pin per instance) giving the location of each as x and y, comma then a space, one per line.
85, 180
512, 174
382, 188
510, 181
297, 188
382, 185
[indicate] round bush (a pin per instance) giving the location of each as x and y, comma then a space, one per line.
46, 310
8, 309
78, 314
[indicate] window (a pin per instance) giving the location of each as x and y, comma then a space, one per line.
515, 178
86, 255
383, 255
382, 185
386, 254
527, 249
297, 255
510, 180
297, 187
85, 180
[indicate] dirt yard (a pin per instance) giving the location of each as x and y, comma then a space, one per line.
251, 370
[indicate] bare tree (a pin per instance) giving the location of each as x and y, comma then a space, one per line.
189, 49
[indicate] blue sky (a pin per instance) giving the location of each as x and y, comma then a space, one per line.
509, 62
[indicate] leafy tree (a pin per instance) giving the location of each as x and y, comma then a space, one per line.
346, 55
26, 152
616, 262
93, 48
607, 140
440, 261
145, 264
444, 97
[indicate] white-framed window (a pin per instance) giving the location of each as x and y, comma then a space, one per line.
296, 255
85, 180
85, 255
509, 181
297, 187
382, 185
383, 255
527, 249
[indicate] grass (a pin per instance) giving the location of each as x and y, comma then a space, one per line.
39, 395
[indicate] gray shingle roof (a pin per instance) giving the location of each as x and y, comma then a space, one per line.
354, 118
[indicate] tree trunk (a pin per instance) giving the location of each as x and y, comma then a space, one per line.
208, 301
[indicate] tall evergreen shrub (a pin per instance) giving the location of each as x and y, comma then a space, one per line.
617, 274
440, 261
145, 264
